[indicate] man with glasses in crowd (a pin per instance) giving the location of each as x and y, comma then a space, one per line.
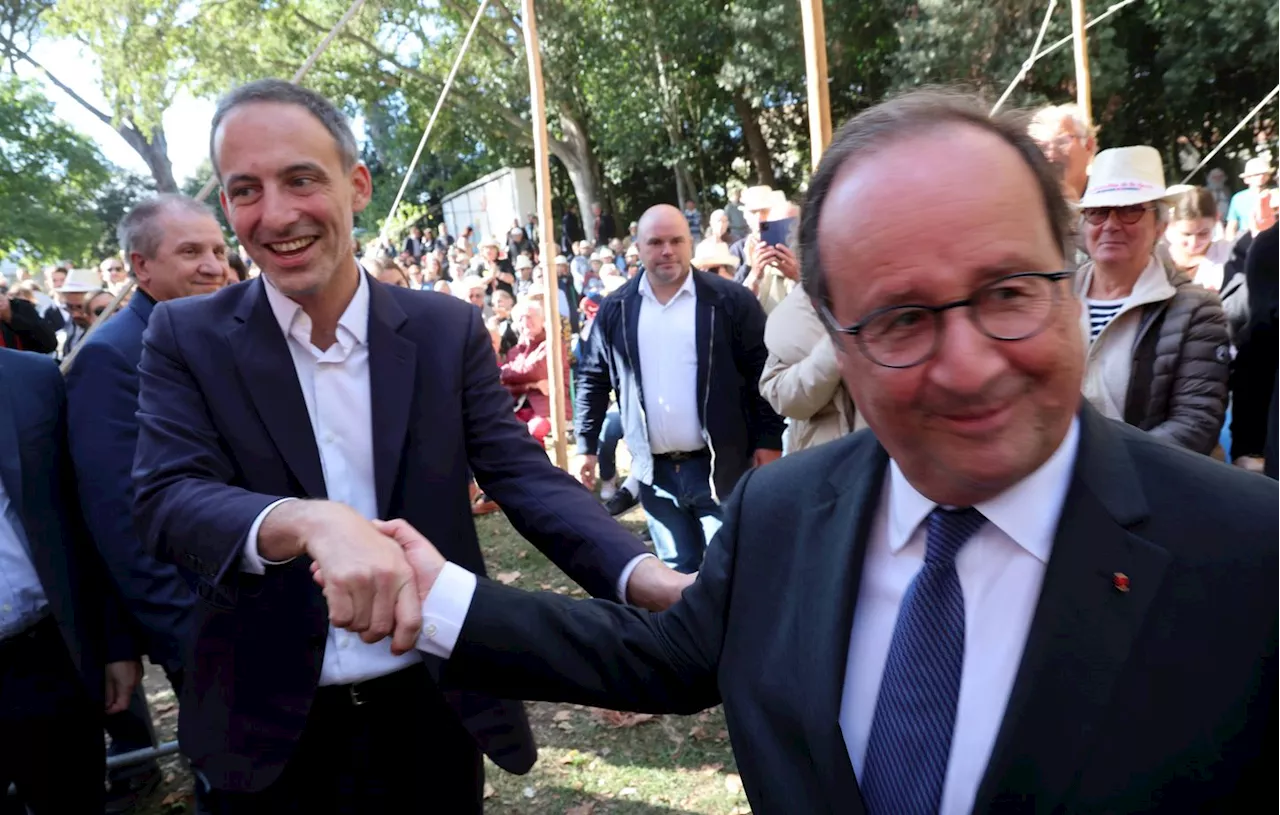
994, 599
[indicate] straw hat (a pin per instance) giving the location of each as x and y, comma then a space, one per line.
489, 242
1124, 176
604, 254
757, 198
523, 262
81, 281
713, 257
612, 283
1256, 166
561, 260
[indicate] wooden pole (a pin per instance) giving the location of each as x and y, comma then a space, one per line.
1084, 96
542, 177
815, 65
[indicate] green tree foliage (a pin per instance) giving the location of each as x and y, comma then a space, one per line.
50, 177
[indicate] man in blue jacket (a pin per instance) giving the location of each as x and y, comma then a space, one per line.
174, 248
683, 351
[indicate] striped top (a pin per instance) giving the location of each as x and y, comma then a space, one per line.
1102, 312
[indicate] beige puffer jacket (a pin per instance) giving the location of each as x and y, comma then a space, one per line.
801, 378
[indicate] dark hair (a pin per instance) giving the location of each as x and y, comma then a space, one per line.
912, 113
237, 265
1194, 204
286, 93
137, 231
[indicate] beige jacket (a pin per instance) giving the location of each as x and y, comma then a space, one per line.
801, 378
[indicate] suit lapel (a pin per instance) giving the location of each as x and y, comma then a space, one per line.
1083, 630
261, 354
392, 383
10, 458
836, 532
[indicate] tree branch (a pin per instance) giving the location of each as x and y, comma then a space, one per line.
494, 38
14, 50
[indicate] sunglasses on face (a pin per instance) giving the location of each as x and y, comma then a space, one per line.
1126, 215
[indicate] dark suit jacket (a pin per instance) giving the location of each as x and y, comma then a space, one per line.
1160, 699
37, 473
224, 432
102, 403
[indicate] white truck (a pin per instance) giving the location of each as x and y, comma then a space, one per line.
492, 205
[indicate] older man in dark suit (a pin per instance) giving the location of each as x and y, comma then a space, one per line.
175, 248
62, 628
276, 420
994, 600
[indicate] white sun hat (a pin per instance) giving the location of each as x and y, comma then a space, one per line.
1258, 165
1124, 176
81, 281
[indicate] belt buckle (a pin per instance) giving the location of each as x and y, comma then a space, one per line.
356, 699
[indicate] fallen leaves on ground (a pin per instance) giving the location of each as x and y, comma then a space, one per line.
507, 578
616, 718
587, 808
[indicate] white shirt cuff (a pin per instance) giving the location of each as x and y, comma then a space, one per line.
445, 610
626, 575
250, 560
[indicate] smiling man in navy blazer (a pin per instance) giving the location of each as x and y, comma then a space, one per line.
995, 600
316, 382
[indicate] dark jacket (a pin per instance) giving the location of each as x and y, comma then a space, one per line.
35, 466
1253, 376
224, 432
102, 407
735, 419
1161, 699
26, 330
570, 232
1178, 386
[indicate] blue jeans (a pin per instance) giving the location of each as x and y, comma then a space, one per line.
607, 451
683, 516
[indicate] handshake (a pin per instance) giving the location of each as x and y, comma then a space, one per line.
376, 575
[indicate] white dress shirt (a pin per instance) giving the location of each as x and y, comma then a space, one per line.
667, 335
22, 599
335, 386
1001, 569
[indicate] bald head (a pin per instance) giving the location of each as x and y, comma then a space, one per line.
666, 248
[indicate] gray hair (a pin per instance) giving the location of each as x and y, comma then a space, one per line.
1046, 122
880, 126
286, 93
138, 231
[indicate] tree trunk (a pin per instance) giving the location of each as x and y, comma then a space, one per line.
584, 170
757, 147
155, 152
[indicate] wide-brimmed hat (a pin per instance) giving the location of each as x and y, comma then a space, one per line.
604, 254
757, 198
1124, 176
712, 258
1257, 166
560, 260
523, 262
489, 242
81, 281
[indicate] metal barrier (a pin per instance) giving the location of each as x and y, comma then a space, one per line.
142, 756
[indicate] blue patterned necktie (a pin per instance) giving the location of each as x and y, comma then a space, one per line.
910, 741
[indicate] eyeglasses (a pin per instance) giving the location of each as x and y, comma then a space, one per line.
1127, 215
1015, 307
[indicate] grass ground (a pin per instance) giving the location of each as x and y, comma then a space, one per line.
591, 762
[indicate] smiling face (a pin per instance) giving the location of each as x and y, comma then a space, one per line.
191, 257
981, 414
288, 196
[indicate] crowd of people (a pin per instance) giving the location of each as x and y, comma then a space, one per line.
930, 487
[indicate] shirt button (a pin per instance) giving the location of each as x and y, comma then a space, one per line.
329, 438
430, 630
344, 642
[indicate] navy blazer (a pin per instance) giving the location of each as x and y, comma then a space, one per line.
1161, 698
36, 468
224, 432
102, 403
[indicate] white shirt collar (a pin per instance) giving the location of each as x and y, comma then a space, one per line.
646, 289
353, 325
1027, 512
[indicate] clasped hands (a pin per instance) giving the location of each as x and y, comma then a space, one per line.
375, 575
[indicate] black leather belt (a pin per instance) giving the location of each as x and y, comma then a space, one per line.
381, 689
683, 455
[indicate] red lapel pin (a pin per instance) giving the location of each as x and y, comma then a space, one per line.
1121, 581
